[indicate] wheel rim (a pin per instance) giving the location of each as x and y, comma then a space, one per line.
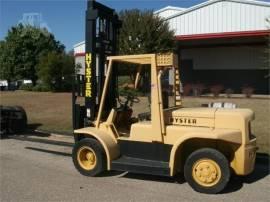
86, 158
206, 172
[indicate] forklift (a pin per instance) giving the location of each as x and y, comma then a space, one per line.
207, 145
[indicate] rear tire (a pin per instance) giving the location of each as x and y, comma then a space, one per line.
89, 157
207, 171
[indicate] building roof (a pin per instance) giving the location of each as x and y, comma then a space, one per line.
79, 44
207, 3
220, 17
214, 19
170, 8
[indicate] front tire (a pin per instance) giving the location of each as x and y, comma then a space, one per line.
207, 171
89, 157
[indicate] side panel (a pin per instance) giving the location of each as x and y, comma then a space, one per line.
244, 159
230, 136
146, 150
108, 142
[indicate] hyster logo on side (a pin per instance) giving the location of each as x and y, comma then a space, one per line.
184, 121
88, 75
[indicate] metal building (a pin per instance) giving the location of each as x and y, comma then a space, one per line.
220, 42
223, 42
79, 53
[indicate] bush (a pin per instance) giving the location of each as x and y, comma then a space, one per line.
55, 71
28, 87
41, 88
187, 89
248, 91
229, 92
129, 91
123, 80
198, 89
216, 89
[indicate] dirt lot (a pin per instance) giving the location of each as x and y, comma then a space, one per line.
47, 111
52, 111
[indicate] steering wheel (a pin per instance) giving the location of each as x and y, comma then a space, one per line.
129, 99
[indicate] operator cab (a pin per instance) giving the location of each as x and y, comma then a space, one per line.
154, 86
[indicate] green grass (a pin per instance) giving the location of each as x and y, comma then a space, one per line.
52, 111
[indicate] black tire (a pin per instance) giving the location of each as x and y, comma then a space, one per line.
212, 155
100, 156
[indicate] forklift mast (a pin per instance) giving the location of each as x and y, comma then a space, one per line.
101, 33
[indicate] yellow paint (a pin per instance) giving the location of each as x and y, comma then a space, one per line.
86, 158
223, 129
88, 74
108, 142
206, 172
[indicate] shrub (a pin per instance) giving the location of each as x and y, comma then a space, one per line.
41, 88
248, 91
131, 92
229, 92
216, 89
187, 89
28, 87
198, 89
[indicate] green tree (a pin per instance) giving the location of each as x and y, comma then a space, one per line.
21, 50
55, 71
6, 71
143, 32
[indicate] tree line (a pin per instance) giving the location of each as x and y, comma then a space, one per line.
31, 53
34, 54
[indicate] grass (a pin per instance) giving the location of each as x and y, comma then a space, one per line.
47, 111
52, 111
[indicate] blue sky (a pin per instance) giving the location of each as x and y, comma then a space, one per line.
65, 18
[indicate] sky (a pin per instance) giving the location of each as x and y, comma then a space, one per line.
65, 18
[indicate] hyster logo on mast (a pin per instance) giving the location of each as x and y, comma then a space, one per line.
88, 74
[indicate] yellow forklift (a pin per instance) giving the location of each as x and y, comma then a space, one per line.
205, 144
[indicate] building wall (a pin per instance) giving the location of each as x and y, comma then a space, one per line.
221, 16
233, 67
79, 48
80, 60
222, 58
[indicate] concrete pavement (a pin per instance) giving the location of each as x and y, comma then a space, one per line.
35, 170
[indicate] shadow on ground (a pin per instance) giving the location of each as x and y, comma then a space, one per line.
33, 126
34, 131
262, 167
262, 170
49, 151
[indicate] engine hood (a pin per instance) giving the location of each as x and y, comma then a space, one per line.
234, 119
203, 117
212, 117
195, 112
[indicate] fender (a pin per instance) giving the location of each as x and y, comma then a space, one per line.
108, 142
231, 136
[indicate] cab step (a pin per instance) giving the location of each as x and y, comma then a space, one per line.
137, 165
